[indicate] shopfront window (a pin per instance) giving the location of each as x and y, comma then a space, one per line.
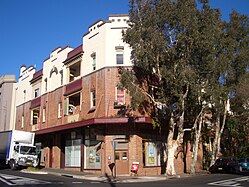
72, 153
151, 153
92, 150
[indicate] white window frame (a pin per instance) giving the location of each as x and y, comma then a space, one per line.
22, 122
119, 51
93, 99
59, 110
93, 55
44, 114
37, 92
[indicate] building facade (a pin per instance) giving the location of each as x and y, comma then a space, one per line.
78, 112
7, 102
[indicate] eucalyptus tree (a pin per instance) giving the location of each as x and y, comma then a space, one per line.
232, 63
182, 59
162, 38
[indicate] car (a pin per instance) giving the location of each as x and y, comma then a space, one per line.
244, 164
225, 165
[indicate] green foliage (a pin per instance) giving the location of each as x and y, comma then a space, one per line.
177, 47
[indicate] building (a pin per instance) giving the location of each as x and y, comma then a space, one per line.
79, 113
7, 102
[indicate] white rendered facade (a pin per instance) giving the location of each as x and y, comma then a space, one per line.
24, 90
54, 70
102, 42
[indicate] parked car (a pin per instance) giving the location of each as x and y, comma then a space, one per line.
244, 164
225, 165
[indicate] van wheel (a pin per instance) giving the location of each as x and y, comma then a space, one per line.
12, 165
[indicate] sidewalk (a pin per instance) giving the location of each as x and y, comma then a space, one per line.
106, 178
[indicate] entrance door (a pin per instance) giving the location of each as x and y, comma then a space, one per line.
122, 163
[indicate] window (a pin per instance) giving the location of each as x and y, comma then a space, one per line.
151, 153
93, 99
92, 150
93, 55
24, 95
22, 123
119, 55
61, 72
36, 92
74, 71
44, 114
59, 110
72, 153
46, 84
120, 97
72, 104
35, 113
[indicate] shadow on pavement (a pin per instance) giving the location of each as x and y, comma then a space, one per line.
109, 180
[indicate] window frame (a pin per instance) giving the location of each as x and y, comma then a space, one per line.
44, 114
93, 99
36, 93
119, 55
38, 116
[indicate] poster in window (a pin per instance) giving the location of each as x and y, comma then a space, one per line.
91, 157
151, 160
97, 158
151, 151
151, 154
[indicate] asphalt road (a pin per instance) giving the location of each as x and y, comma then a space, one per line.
19, 179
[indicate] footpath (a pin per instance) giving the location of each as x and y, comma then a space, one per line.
107, 178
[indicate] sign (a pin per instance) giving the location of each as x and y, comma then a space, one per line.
134, 167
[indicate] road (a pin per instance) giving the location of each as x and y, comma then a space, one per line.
18, 179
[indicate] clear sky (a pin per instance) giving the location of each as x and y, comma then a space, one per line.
31, 29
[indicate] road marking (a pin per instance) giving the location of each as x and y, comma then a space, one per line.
231, 182
77, 182
12, 180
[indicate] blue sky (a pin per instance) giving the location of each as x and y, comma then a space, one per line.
31, 29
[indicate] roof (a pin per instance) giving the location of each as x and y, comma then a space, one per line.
78, 50
93, 121
37, 75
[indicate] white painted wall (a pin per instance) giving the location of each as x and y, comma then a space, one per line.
55, 61
24, 84
102, 41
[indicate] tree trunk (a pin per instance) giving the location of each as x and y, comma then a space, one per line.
215, 143
170, 167
222, 127
172, 144
172, 147
196, 146
218, 133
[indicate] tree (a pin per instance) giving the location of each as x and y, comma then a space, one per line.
234, 62
162, 73
178, 51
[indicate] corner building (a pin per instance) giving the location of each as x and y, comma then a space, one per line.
78, 113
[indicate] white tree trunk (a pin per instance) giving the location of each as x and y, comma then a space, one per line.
172, 147
196, 146
170, 167
219, 132
172, 144
215, 143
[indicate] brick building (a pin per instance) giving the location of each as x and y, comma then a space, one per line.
77, 111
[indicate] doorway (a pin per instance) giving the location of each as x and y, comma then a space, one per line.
122, 162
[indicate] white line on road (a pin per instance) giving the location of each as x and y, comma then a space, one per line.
12, 180
230, 182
